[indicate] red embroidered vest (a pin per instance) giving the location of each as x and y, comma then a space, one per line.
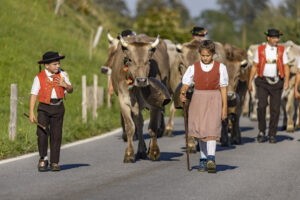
262, 60
47, 86
207, 80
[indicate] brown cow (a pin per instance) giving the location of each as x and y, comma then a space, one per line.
147, 57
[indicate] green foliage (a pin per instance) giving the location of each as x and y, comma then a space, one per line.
28, 30
162, 21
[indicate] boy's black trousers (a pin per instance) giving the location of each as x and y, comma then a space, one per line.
51, 116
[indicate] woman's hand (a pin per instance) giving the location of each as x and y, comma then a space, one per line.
224, 113
183, 97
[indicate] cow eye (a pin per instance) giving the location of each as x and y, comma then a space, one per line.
129, 60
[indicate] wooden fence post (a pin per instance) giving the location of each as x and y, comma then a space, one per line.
108, 94
13, 111
95, 94
91, 44
84, 106
58, 4
97, 37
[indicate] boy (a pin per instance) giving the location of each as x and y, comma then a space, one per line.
49, 86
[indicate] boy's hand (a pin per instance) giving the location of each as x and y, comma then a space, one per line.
32, 118
250, 87
60, 81
182, 97
286, 85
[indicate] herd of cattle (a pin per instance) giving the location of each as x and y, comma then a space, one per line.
155, 68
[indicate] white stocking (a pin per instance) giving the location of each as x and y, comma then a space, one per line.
203, 149
211, 147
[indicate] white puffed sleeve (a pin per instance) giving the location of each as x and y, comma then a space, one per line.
188, 76
223, 76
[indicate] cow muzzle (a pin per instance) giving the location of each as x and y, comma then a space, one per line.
232, 99
105, 70
141, 82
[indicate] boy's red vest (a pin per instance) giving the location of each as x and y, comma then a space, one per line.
262, 60
207, 80
47, 86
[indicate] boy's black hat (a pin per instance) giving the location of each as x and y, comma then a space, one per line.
273, 33
126, 33
50, 56
199, 31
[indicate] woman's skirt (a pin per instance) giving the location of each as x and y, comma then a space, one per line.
205, 113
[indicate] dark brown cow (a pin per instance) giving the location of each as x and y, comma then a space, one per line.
147, 57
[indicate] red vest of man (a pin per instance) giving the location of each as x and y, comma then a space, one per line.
47, 86
262, 60
207, 80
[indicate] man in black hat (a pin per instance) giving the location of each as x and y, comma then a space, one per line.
199, 33
49, 86
270, 64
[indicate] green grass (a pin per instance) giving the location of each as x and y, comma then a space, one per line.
27, 31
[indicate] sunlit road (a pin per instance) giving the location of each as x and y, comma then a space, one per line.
95, 170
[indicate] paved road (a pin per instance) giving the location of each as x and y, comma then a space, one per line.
94, 170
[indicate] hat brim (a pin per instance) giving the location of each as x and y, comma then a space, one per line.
273, 35
51, 60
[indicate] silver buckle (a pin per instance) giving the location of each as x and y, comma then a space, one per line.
57, 103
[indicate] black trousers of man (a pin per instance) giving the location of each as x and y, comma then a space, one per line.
264, 90
51, 116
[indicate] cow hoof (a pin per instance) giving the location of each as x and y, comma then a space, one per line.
141, 155
290, 128
253, 118
129, 156
192, 149
154, 154
168, 132
236, 141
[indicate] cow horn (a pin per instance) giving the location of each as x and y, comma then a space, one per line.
178, 46
155, 43
123, 42
288, 49
109, 37
244, 62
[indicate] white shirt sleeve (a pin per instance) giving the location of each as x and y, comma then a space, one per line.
223, 76
64, 74
256, 56
35, 86
285, 58
188, 76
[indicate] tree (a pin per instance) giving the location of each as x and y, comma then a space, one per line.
243, 13
114, 5
175, 5
162, 21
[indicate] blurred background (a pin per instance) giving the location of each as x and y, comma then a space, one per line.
32, 27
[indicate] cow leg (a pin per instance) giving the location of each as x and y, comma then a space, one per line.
129, 128
154, 124
236, 132
124, 135
290, 109
245, 110
254, 103
139, 124
162, 125
224, 133
169, 128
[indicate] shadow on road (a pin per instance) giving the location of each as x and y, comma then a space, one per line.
71, 166
169, 156
281, 138
220, 168
246, 128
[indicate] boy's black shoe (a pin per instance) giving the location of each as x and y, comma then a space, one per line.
261, 137
211, 164
54, 167
272, 140
42, 165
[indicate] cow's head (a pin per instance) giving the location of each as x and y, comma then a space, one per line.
188, 54
236, 64
138, 54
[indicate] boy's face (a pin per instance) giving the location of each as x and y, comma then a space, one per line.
273, 41
53, 67
206, 56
